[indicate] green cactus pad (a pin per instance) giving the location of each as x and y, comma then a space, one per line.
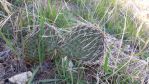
84, 42
45, 41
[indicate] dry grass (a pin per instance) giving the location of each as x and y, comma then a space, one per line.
125, 57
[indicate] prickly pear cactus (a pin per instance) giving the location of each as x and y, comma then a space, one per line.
42, 42
53, 38
31, 47
84, 42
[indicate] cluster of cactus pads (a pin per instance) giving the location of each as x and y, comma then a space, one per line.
83, 42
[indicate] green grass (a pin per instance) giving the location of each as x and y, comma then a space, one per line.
68, 74
105, 13
55, 14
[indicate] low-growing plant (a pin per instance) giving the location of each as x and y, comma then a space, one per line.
79, 44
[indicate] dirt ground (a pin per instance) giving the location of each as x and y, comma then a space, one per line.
12, 65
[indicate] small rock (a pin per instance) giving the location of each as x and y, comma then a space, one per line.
2, 82
21, 78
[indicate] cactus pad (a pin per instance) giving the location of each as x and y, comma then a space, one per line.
44, 41
84, 42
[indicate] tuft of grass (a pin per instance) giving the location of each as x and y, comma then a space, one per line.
105, 13
53, 12
68, 72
